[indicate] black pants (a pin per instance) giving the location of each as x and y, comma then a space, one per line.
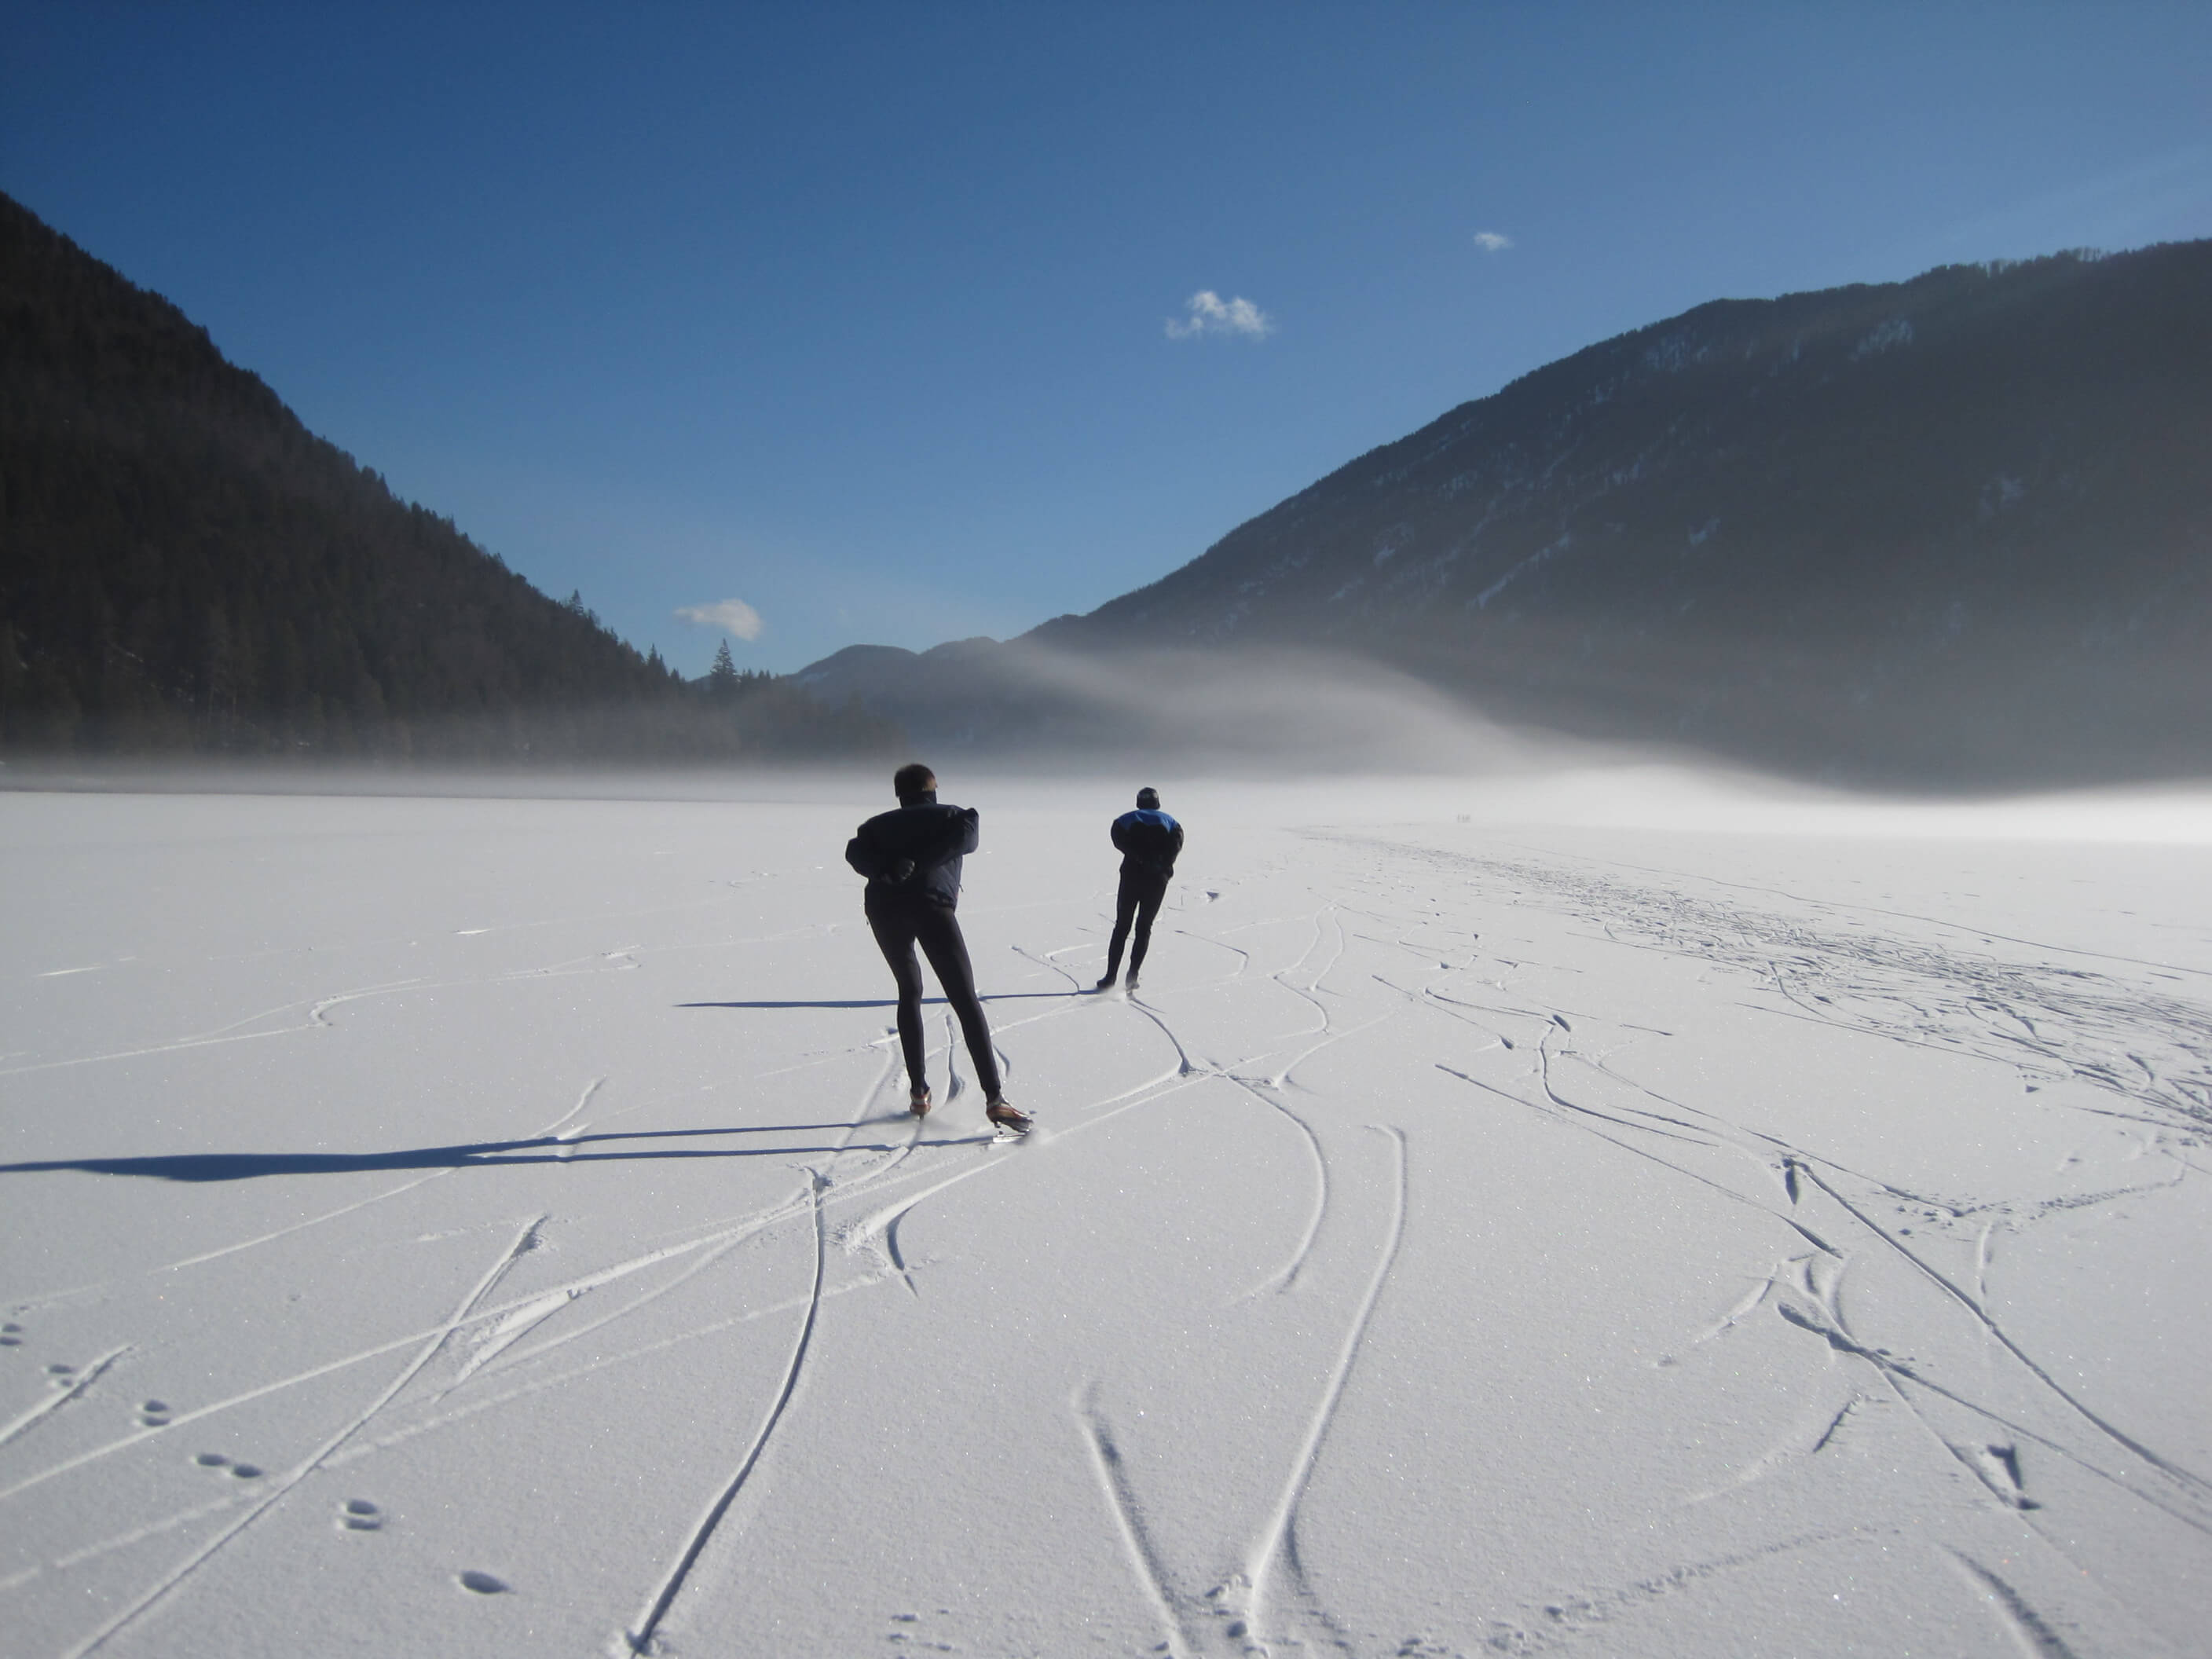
899, 929
1139, 900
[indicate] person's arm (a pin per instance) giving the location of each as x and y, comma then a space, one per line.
962, 834
1120, 845
1177, 848
865, 859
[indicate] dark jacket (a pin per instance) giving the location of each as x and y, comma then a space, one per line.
914, 854
1150, 841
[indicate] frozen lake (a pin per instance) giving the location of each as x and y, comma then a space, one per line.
491, 1227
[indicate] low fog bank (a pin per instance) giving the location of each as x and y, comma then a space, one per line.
733, 720
2026, 720
2033, 700
1253, 712
1279, 729
577, 781
1278, 736
1592, 788
1010, 709
1709, 800
1611, 793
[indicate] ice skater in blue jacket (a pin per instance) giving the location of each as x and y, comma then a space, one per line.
1149, 841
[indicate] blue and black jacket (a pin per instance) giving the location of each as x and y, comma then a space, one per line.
1150, 841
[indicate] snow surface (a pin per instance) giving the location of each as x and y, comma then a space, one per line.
1717, 1225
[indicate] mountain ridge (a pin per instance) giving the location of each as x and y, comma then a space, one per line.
1956, 529
189, 569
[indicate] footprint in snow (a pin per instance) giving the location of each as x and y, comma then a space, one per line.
1999, 1468
62, 1376
239, 1471
917, 1643
11, 1336
359, 1515
153, 1414
483, 1583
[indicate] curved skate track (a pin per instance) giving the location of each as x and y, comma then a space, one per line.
444, 1226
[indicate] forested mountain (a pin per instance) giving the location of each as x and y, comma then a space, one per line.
185, 568
1954, 529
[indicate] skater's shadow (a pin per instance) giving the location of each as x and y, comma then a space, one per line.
885, 1002
539, 1149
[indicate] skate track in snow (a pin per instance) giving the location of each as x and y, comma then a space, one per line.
443, 1225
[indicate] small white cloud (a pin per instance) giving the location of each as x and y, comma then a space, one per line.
1211, 314
1492, 241
731, 615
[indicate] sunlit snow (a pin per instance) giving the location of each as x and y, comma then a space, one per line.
1603, 1214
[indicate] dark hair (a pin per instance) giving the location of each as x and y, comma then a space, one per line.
1148, 799
913, 779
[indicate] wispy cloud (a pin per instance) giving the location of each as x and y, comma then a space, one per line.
1211, 314
731, 615
1492, 241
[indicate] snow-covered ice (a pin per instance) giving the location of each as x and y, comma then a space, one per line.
1499, 1223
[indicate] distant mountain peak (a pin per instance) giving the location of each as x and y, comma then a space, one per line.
1951, 530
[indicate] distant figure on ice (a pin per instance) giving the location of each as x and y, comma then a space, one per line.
911, 857
1149, 841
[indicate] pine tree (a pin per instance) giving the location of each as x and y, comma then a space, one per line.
722, 682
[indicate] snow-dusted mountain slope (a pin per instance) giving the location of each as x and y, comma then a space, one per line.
489, 1227
1955, 530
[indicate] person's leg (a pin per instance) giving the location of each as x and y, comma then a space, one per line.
895, 937
1148, 906
939, 930
1125, 911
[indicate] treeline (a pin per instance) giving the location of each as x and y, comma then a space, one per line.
186, 569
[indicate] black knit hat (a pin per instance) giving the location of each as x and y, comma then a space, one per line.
1148, 799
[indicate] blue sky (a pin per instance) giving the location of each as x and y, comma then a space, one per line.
860, 314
